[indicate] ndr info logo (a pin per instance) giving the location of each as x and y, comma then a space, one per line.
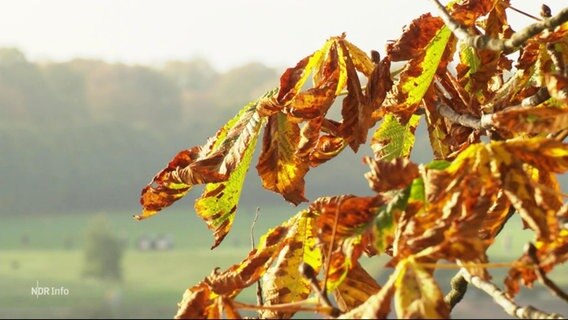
49, 291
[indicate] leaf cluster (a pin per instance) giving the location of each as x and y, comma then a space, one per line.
421, 215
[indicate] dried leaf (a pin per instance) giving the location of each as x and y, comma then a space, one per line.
239, 276
278, 166
212, 163
198, 302
425, 47
327, 148
378, 305
357, 287
353, 215
531, 120
390, 175
283, 282
356, 109
417, 293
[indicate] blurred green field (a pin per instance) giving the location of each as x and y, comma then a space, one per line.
153, 281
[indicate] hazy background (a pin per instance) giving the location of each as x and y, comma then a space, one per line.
97, 96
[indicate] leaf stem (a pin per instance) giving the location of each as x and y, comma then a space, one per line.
525, 13
259, 299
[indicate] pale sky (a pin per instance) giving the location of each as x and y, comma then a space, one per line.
227, 33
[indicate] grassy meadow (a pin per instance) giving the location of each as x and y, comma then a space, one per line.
47, 250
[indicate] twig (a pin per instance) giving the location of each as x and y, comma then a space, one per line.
259, 299
464, 119
456, 294
542, 277
507, 45
524, 13
508, 305
309, 273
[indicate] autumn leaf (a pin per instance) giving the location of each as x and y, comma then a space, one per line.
390, 175
327, 148
423, 43
357, 287
417, 293
394, 140
356, 109
557, 86
239, 276
549, 254
283, 282
293, 79
378, 305
198, 302
279, 168
529, 120
350, 216
212, 163
219, 201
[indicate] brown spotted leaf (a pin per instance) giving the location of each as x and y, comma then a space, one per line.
283, 282
357, 287
531, 119
212, 163
378, 305
356, 109
423, 43
549, 254
390, 175
417, 294
327, 148
239, 276
198, 302
279, 168
350, 216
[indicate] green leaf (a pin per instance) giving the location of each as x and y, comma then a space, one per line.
393, 140
219, 201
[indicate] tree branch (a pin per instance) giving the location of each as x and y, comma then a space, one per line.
507, 45
508, 305
456, 294
464, 119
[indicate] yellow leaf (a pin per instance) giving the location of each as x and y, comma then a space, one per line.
283, 282
417, 293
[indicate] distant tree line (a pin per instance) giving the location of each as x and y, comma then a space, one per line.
75, 136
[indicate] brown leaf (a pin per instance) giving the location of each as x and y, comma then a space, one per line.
378, 85
549, 254
357, 287
327, 147
279, 168
417, 294
390, 175
239, 276
212, 163
356, 109
378, 305
531, 120
350, 216
415, 37
198, 302
283, 282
